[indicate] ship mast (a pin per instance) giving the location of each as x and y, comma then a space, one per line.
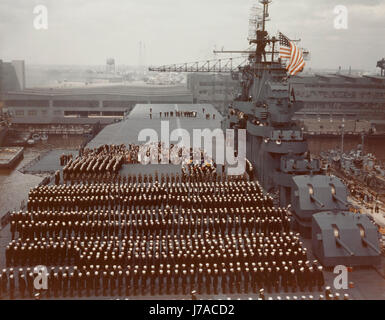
262, 35
261, 38
265, 13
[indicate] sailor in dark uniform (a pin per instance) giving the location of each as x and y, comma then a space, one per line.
64, 284
292, 280
112, 282
144, 282
262, 294
311, 278
152, 282
176, 280
320, 281
104, 283
192, 278
72, 283
200, 281
135, 282
231, 280
81, 279
208, 277
55, 285
30, 279
22, 285
127, 277
215, 281
12, 286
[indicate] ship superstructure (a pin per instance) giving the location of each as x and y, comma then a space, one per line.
279, 153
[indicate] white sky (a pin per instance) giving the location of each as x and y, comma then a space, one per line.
86, 32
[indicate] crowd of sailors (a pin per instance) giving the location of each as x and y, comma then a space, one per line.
104, 164
182, 114
364, 197
153, 237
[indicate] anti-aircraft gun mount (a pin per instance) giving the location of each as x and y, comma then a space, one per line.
279, 154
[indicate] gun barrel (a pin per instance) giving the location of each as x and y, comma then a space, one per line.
340, 200
317, 201
343, 245
371, 245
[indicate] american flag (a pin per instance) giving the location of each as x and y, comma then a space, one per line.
288, 50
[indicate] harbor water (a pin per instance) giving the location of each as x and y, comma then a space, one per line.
14, 185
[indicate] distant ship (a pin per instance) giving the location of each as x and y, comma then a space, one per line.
357, 166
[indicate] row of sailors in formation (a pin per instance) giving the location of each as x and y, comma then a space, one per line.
167, 279
159, 152
147, 201
181, 226
106, 149
95, 161
104, 158
143, 201
240, 242
269, 247
183, 190
202, 194
105, 177
182, 177
178, 114
111, 157
327, 295
200, 173
35, 256
158, 189
282, 238
65, 158
203, 173
94, 164
248, 215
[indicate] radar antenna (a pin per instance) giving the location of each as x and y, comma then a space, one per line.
262, 36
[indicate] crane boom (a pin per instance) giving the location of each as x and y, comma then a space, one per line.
227, 65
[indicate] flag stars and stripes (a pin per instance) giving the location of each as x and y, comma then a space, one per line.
289, 51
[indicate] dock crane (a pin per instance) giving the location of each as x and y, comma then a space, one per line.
227, 65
